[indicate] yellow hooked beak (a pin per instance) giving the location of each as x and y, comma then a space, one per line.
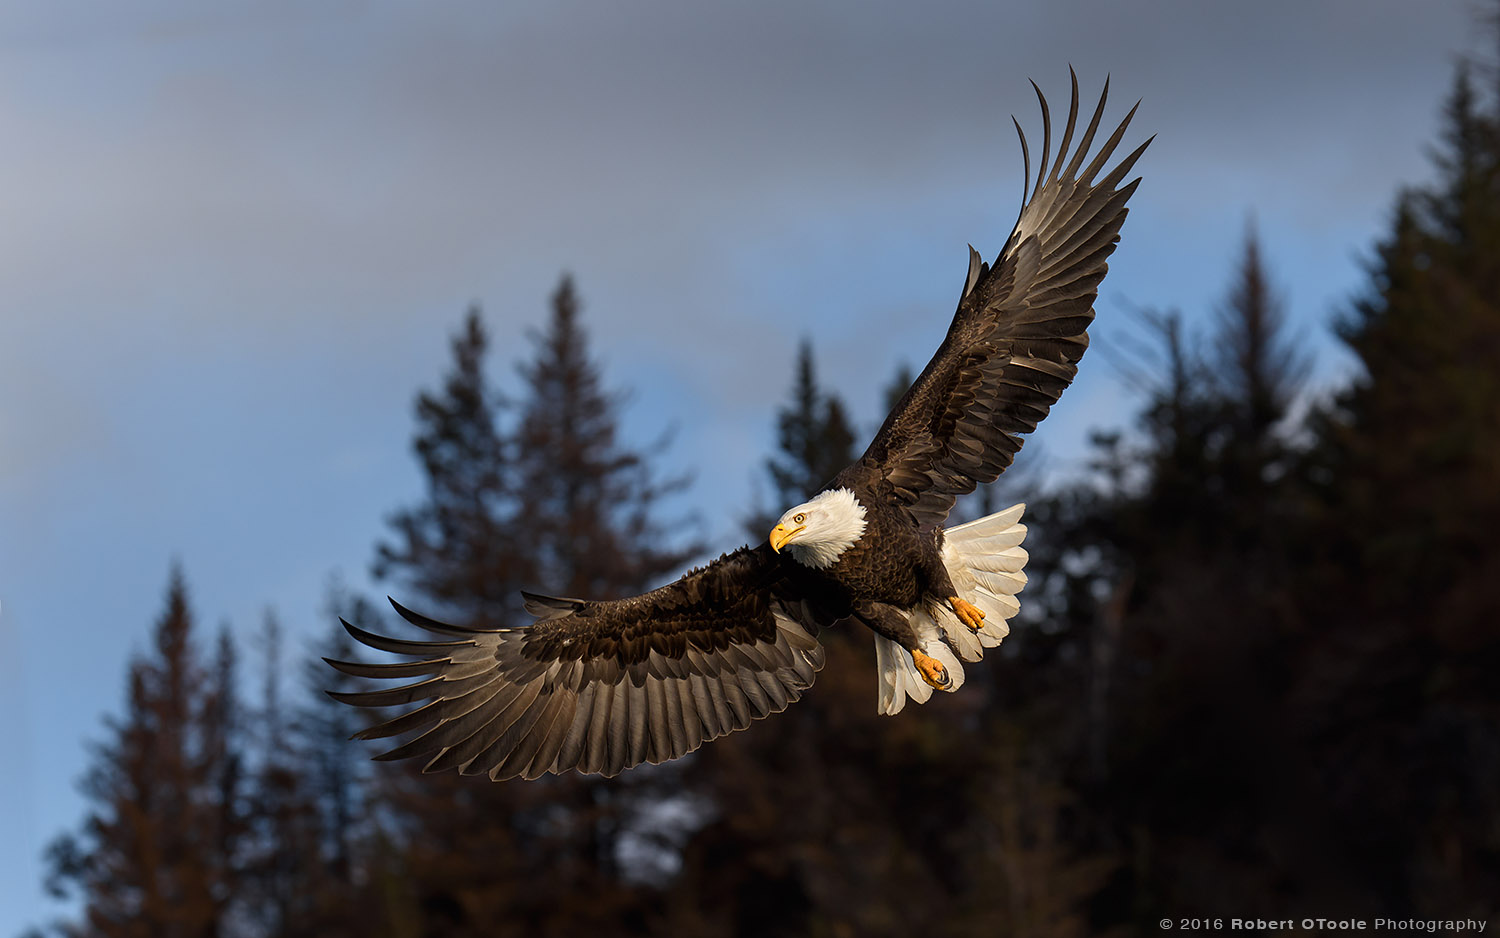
781, 534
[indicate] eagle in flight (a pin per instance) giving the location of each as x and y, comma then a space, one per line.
600, 686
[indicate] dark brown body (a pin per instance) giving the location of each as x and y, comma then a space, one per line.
892, 568
893, 562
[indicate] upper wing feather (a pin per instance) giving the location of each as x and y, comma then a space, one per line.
1020, 329
599, 686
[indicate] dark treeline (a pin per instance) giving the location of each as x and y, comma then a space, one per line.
1254, 674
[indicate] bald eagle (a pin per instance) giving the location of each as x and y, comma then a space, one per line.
600, 686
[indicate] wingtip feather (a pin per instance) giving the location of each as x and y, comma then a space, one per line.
1041, 172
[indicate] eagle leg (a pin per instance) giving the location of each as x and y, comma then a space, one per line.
896, 625
931, 669
971, 615
939, 583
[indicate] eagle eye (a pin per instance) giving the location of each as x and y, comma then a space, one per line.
799, 519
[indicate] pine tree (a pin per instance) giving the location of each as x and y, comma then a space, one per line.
1427, 334
294, 879
337, 772
223, 759
589, 504
455, 546
329, 863
1260, 363
280, 840
155, 854
814, 444
459, 862
1166, 587
831, 819
813, 435
1407, 505
558, 505
590, 512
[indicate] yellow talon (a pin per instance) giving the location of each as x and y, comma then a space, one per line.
931, 669
969, 614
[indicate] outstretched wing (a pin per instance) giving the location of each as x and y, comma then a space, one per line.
1019, 332
599, 686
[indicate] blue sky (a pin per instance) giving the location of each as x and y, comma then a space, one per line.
237, 237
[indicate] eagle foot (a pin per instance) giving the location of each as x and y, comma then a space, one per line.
969, 614
931, 669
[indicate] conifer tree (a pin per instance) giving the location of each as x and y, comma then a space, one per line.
337, 772
813, 435
1260, 372
327, 865
1257, 360
294, 879
155, 854
810, 822
1166, 589
548, 501
590, 512
1426, 334
589, 504
814, 443
1407, 506
461, 861
455, 546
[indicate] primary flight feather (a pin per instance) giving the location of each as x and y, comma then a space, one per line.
600, 686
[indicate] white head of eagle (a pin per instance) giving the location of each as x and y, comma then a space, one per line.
818, 531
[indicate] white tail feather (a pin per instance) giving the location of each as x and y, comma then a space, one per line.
985, 561
898, 677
